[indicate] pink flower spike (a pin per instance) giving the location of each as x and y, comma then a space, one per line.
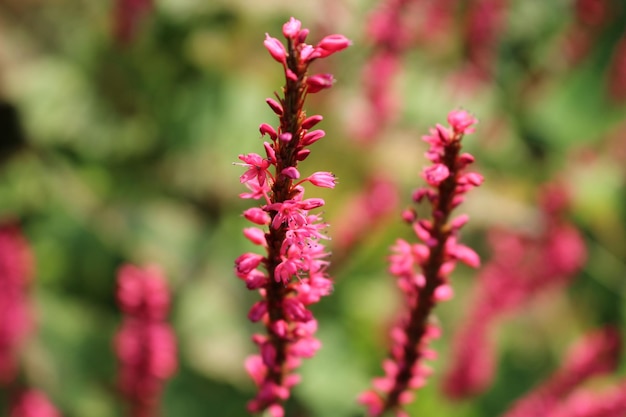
331, 44
461, 121
422, 269
276, 48
291, 29
144, 337
291, 172
291, 274
32, 403
323, 179
319, 82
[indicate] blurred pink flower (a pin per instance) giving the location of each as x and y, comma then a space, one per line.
595, 354
16, 269
33, 403
484, 23
145, 344
522, 267
586, 403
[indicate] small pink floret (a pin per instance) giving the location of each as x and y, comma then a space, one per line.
257, 215
266, 129
257, 311
275, 106
331, 44
443, 293
291, 172
309, 122
461, 121
312, 137
255, 235
291, 29
319, 82
323, 179
435, 174
276, 48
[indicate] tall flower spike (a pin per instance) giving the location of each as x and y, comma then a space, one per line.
587, 403
145, 344
522, 267
32, 403
595, 354
291, 275
422, 269
16, 265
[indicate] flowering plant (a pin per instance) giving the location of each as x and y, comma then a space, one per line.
295, 264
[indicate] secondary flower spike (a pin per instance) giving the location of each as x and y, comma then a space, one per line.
16, 270
291, 273
422, 269
522, 267
32, 403
597, 353
145, 344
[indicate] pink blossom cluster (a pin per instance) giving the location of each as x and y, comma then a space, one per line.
16, 268
145, 344
390, 37
293, 274
33, 403
522, 267
392, 29
590, 18
586, 403
595, 354
422, 269
484, 22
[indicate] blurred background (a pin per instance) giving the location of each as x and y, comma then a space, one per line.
120, 120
